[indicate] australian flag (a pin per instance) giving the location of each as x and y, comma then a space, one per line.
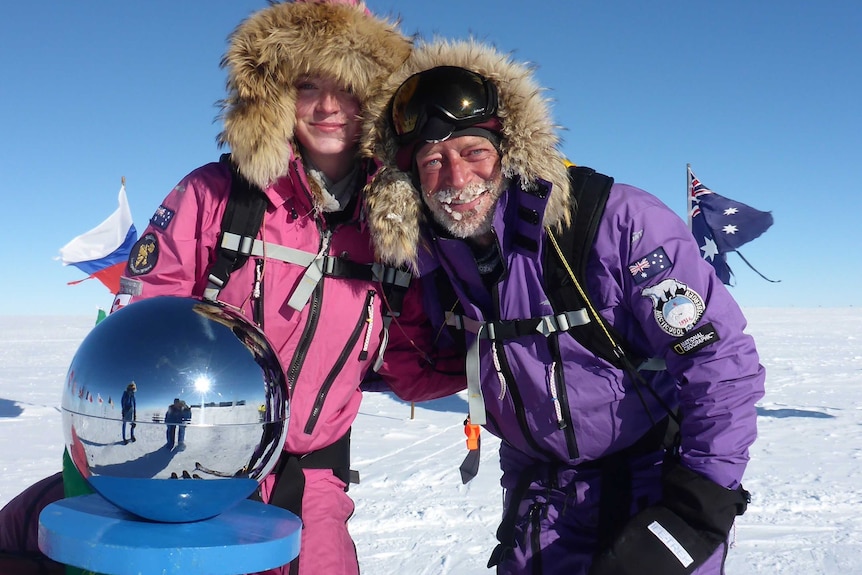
721, 225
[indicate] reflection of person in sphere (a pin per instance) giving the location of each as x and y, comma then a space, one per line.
128, 405
178, 415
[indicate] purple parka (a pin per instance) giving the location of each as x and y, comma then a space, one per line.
561, 412
646, 276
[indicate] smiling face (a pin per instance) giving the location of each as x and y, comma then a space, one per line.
461, 183
327, 124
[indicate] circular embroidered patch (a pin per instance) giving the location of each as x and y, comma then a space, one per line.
144, 255
676, 307
680, 313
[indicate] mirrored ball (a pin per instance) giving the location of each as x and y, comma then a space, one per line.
205, 415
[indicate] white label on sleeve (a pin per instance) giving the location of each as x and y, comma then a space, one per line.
671, 543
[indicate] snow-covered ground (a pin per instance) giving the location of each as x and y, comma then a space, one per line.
413, 515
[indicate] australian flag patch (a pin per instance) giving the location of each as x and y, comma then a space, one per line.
162, 217
653, 264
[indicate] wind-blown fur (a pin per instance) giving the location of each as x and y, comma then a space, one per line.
274, 48
529, 145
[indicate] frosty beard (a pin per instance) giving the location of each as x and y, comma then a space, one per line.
471, 223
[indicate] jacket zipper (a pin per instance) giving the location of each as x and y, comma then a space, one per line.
535, 520
558, 388
506, 372
305, 341
311, 324
317, 408
561, 398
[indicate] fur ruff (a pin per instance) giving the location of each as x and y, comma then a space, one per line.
529, 146
275, 47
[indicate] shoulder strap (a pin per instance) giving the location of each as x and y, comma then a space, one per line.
243, 216
590, 191
590, 194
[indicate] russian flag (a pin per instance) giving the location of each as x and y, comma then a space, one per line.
102, 252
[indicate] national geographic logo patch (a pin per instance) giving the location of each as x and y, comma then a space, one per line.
145, 254
698, 339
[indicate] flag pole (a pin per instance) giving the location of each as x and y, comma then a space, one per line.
688, 193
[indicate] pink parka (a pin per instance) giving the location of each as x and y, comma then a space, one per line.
328, 347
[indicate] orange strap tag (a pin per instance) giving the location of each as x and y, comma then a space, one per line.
472, 433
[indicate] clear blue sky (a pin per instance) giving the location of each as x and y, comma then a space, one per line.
762, 98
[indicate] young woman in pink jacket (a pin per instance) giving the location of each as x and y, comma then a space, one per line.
299, 75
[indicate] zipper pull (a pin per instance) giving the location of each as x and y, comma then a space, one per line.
558, 409
258, 276
325, 240
257, 293
499, 370
369, 324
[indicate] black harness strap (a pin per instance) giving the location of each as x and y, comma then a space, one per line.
590, 191
290, 481
615, 497
243, 216
394, 283
506, 530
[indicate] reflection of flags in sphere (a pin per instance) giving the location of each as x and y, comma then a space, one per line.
167, 346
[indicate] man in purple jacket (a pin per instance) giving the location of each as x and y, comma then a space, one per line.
605, 470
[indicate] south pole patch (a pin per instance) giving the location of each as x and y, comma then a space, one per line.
695, 340
676, 307
145, 254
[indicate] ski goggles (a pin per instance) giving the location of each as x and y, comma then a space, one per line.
433, 104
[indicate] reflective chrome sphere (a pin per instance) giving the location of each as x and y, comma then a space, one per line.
210, 414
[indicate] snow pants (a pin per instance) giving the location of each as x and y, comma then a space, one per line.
326, 545
557, 524
171, 434
132, 426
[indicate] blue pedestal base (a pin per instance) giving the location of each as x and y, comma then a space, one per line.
91, 533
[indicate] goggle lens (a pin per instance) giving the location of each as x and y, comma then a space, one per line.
458, 96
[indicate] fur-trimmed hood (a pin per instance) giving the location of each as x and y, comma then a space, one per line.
272, 49
529, 145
